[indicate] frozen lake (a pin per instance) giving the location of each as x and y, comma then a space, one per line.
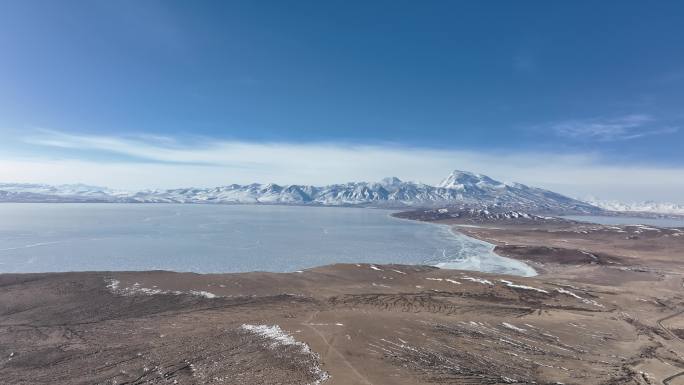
617, 220
224, 238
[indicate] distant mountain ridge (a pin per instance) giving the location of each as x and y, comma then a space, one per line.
638, 207
460, 188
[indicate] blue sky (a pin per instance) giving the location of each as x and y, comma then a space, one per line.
583, 97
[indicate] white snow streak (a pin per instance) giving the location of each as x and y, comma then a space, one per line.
278, 337
479, 280
516, 286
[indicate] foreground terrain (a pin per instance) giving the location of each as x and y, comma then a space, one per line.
605, 309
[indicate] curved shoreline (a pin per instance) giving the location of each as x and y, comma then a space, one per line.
458, 234
214, 241
534, 272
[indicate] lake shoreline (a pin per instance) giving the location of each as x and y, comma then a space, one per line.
579, 321
217, 239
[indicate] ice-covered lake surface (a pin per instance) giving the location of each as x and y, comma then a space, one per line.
225, 238
618, 220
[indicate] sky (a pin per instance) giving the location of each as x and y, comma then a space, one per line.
584, 97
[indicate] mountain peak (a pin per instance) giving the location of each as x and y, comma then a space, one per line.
391, 181
459, 179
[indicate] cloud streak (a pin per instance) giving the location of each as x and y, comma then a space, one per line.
620, 128
246, 162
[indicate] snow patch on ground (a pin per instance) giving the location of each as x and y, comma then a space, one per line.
278, 337
513, 327
202, 293
584, 300
479, 280
114, 286
516, 286
568, 292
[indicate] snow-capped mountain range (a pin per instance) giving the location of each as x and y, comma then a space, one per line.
638, 207
460, 188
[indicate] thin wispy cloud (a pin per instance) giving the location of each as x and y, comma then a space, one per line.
281, 162
612, 129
